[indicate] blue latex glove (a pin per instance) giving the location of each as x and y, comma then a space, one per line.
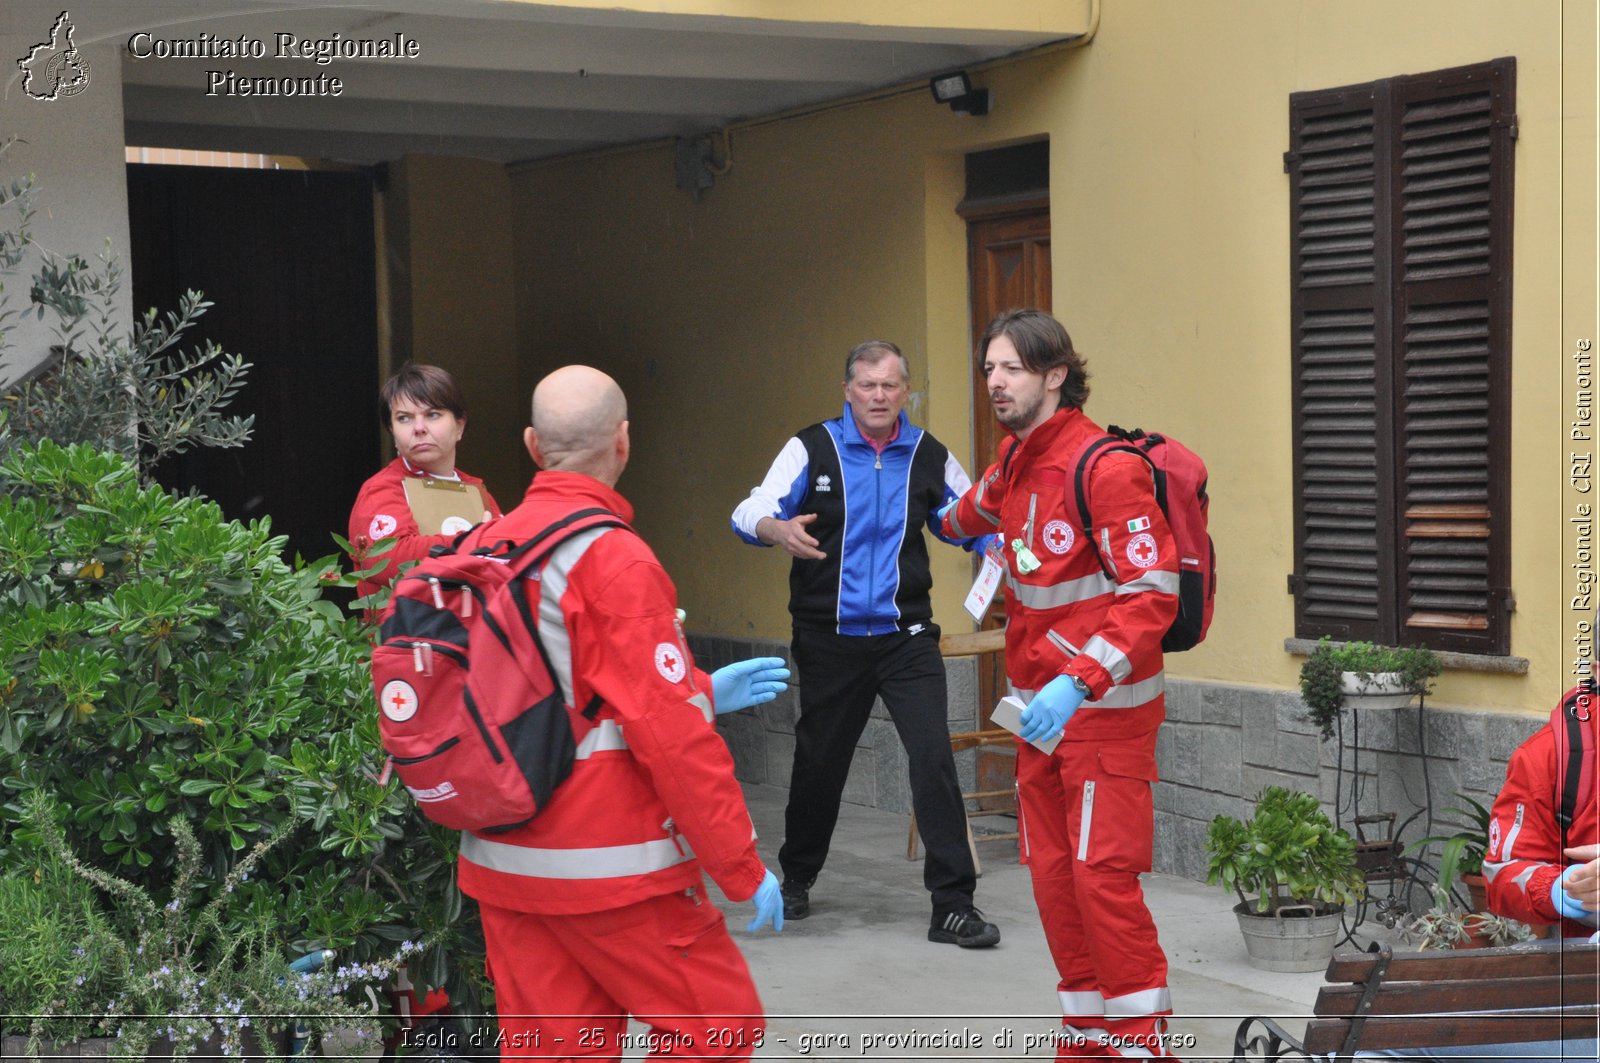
746, 683
984, 543
1047, 714
769, 905
1565, 903
947, 507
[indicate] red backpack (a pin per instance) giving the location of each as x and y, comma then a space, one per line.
470, 713
1180, 482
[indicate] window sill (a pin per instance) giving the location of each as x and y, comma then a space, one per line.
1454, 662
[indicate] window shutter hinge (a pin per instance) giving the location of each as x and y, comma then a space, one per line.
1289, 161
1508, 600
1509, 124
1296, 583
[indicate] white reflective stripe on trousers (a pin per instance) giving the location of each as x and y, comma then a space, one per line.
1081, 1004
1156, 1001
612, 861
1118, 697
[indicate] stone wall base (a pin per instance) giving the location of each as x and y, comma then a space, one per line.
1220, 745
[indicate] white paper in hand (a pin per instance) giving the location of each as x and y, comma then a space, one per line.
1008, 714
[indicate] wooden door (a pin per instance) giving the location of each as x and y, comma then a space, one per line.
1008, 249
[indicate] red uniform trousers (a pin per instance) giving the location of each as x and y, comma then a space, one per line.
1087, 821
566, 984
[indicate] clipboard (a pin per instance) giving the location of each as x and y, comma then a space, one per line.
443, 507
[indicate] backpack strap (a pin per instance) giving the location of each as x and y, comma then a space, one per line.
1116, 439
1571, 720
533, 553
1005, 463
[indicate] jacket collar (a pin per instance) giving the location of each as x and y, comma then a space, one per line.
577, 487
1043, 438
852, 431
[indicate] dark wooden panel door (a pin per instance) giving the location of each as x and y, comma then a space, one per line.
288, 259
1009, 260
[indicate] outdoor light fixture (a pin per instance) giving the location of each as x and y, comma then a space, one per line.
956, 90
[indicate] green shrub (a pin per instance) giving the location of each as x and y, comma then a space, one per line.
159, 661
1289, 852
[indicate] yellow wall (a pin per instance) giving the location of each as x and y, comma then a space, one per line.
727, 320
449, 264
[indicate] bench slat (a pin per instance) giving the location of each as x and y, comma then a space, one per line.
1421, 1031
1410, 998
1513, 961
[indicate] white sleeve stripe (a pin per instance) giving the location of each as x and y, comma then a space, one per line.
767, 499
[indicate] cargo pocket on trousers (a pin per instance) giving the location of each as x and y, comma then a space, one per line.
1118, 800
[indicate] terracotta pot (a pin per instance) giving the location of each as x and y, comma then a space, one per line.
1477, 889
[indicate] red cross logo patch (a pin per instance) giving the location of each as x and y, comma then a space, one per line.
669, 662
1142, 550
382, 526
398, 699
1058, 537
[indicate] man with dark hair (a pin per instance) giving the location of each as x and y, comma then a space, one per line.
1083, 652
848, 499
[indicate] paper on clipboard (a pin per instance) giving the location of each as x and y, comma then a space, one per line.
443, 507
1008, 714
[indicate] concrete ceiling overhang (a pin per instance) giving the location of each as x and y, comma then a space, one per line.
513, 81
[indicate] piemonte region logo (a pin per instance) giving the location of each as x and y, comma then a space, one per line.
55, 68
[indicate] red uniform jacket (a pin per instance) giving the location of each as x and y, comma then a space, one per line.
651, 798
381, 512
1524, 854
1067, 616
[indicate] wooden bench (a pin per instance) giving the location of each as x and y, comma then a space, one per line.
1534, 991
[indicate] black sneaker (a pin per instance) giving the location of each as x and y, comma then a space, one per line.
796, 899
965, 927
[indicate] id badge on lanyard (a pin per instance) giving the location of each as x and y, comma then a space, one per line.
983, 588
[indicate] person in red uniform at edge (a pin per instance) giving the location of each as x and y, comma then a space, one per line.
424, 411
596, 909
1083, 652
1535, 871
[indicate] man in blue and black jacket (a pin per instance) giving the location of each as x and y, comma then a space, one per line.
848, 499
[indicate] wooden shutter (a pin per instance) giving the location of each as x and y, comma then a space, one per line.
1340, 333
1452, 182
1400, 198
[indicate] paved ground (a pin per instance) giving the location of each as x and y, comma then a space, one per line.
860, 980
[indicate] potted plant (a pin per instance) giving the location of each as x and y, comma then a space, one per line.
1461, 852
1375, 677
1294, 873
1447, 926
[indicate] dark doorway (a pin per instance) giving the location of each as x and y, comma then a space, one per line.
287, 257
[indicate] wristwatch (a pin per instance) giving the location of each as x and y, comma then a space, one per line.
1083, 687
